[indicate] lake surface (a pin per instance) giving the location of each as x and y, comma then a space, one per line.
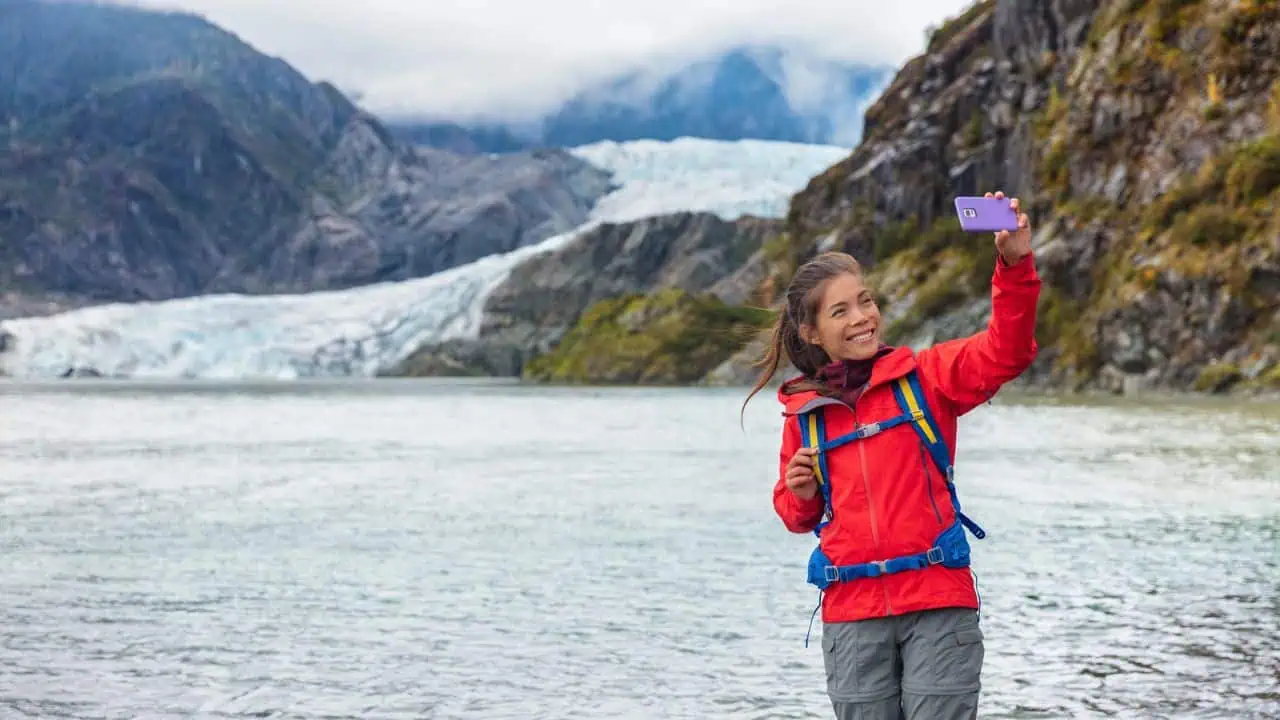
485, 550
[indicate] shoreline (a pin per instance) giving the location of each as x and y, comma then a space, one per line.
1028, 395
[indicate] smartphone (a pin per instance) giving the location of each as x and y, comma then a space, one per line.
985, 214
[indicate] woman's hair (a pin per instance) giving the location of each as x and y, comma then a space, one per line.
801, 308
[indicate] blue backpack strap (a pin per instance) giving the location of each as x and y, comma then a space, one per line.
813, 433
911, 400
862, 432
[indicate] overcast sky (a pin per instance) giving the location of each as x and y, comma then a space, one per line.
503, 57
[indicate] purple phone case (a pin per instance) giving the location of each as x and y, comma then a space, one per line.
983, 214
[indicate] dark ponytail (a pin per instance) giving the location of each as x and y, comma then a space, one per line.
800, 308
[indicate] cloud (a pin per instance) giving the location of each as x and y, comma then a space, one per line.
512, 58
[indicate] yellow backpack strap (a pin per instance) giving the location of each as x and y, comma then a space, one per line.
911, 400
813, 434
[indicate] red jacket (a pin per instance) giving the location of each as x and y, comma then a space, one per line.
888, 498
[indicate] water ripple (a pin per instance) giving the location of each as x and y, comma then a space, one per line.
607, 554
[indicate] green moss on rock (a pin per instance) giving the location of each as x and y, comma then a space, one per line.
1254, 172
1217, 377
893, 239
1270, 379
940, 36
1211, 222
669, 337
1066, 324
1169, 17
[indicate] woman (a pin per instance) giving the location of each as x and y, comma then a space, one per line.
866, 456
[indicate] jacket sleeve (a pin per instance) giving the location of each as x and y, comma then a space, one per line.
967, 372
800, 516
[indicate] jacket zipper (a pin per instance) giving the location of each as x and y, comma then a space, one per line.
871, 510
928, 486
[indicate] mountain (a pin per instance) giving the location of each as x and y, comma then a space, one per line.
683, 215
1142, 135
146, 156
765, 93
528, 314
1144, 138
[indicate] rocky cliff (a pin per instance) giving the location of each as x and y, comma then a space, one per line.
184, 162
705, 267
1144, 137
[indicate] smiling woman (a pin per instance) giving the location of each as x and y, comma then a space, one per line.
866, 465
847, 322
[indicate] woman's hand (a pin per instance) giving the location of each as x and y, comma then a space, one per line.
800, 478
1013, 246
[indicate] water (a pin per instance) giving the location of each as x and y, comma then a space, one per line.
485, 550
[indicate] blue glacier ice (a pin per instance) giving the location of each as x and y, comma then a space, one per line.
361, 331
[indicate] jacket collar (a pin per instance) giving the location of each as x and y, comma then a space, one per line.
888, 368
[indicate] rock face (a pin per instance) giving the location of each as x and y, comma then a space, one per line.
1144, 138
544, 297
402, 213
184, 162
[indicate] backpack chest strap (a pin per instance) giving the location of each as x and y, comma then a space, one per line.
862, 432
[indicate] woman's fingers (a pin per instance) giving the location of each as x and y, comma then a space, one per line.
799, 475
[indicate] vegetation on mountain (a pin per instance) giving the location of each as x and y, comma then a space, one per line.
667, 337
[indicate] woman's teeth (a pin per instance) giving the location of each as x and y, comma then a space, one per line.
863, 337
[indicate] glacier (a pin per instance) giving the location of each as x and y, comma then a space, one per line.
365, 330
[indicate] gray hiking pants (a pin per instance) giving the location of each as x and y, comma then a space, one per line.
920, 666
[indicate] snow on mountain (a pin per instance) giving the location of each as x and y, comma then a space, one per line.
762, 92
361, 331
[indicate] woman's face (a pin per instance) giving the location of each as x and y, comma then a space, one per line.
847, 324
